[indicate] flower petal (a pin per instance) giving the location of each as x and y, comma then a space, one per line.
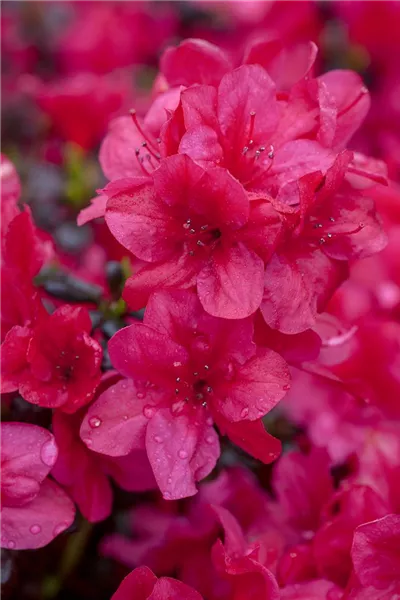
230, 285
115, 423
37, 523
257, 387
173, 444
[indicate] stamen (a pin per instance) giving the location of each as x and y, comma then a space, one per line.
140, 130
252, 120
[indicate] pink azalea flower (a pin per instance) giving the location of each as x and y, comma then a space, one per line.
194, 227
80, 107
34, 509
55, 363
142, 584
199, 371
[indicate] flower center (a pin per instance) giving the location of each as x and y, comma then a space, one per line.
193, 390
254, 159
200, 237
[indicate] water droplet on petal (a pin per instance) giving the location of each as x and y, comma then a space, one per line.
48, 453
209, 439
149, 411
182, 454
88, 442
244, 413
286, 387
35, 529
158, 439
60, 528
209, 421
11, 545
167, 495
140, 395
94, 422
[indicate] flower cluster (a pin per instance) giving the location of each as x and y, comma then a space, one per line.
215, 346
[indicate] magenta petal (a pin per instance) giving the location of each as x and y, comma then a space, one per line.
141, 223
38, 522
298, 158
176, 312
199, 105
173, 443
297, 287
352, 101
248, 89
138, 585
376, 552
13, 357
95, 210
177, 272
28, 453
131, 472
202, 145
315, 590
194, 61
175, 179
140, 351
230, 285
252, 437
172, 589
117, 152
257, 387
115, 423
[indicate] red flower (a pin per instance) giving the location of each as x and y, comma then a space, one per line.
329, 224
34, 509
243, 127
81, 106
376, 553
198, 370
54, 364
194, 227
142, 584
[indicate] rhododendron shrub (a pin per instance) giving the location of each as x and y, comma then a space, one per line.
200, 302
